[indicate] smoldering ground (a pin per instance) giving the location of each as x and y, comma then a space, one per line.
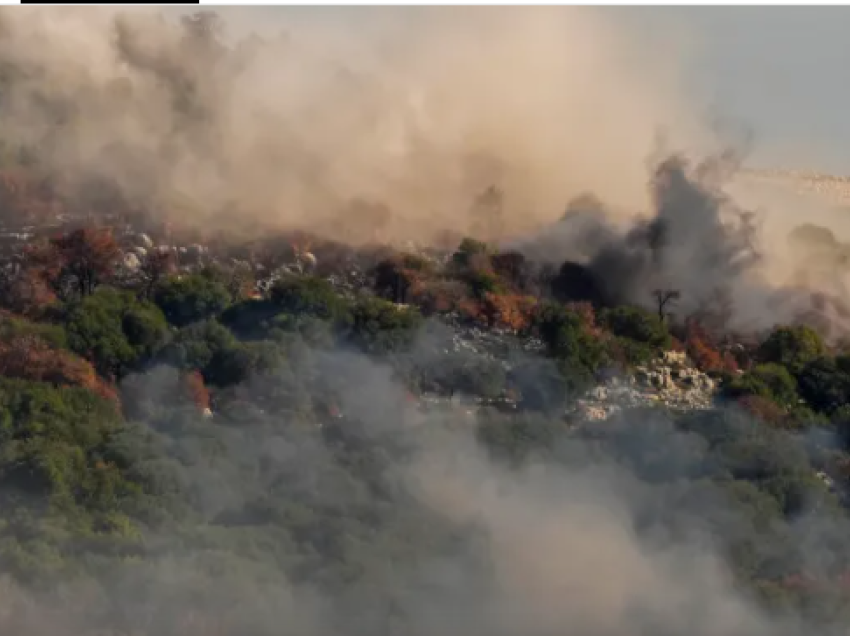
393, 521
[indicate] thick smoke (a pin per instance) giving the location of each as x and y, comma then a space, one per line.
417, 114
417, 123
768, 256
467, 546
696, 241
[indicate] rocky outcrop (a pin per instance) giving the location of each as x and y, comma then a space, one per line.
671, 381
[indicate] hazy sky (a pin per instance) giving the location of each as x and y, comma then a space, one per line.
782, 71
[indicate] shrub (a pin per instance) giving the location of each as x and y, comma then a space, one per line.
13, 327
438, 296
514, 268
467, 249
188, 299
114, 330
638, 325
568, 339
824, 384
769, 381
509, 310
378, 326
483, 283
792, 346
310, 296
396, 276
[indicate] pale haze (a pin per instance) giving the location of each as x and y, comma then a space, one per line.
782, 70
779, 71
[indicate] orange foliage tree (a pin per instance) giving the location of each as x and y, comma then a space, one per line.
511, 266
587, 313
438, 296
79, 260
27, 292
197, 390
397, 276
701, 350
507, 310
30, 358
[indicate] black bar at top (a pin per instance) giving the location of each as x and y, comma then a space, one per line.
107, 3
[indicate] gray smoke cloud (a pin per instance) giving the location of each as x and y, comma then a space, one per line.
712, 236
460, 542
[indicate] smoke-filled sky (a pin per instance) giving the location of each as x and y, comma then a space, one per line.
387, 123
779, 70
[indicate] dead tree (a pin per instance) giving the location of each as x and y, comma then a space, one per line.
664, 298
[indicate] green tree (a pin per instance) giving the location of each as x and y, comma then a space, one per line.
771, 381
115, 330
12, 327
235, 364
464, 372
310, 296
187, 299
638, 325
468, 249
59, 489
824, 383
195, 346
379, 326
792, 347
567, 338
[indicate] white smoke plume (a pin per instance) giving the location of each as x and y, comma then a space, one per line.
417, 112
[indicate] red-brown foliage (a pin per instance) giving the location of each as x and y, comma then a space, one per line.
471, 309
702, 350
511, 311
394, 279
440, 296
513, 268
87, 254
28, 293
197, 390
508, 264
30, 358
480, 263
730, 363
587, 313
763, 409
81, 259
677, 345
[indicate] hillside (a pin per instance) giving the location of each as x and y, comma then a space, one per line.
217, 438
353, 359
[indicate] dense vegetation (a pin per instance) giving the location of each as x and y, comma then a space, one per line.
186, 451
179, 442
